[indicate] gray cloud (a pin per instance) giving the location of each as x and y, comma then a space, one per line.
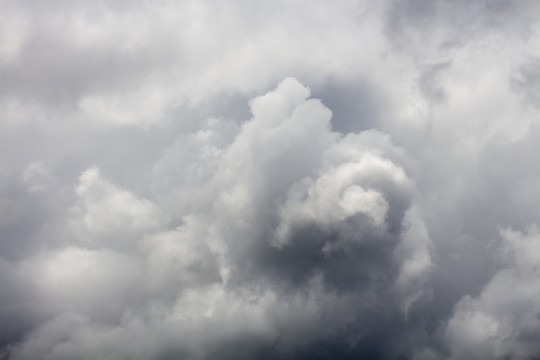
291, 180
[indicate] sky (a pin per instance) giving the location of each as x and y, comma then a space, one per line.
270, 179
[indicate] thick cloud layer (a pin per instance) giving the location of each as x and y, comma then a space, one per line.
297, 180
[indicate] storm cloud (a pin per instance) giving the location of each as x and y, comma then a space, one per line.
278, 180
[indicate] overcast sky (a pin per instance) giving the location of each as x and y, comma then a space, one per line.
269, 179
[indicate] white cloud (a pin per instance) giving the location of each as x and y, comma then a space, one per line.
104, 209
74, 278
336, 196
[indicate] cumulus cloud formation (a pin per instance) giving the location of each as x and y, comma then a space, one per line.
284, 180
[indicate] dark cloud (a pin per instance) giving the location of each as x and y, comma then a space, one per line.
527, 81
297, 180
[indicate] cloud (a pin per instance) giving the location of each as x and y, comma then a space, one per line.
342, 219
103, 210
186, 179
499, 323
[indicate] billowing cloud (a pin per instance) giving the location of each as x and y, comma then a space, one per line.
291, 212
298, 180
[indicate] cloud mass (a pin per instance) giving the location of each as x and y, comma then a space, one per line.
291, 180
